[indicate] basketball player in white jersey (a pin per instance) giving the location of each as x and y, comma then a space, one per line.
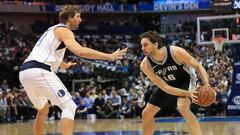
37, 73
171, 69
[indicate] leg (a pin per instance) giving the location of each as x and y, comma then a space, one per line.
67, 126
148, 118
190, 119
67, 118
38, 126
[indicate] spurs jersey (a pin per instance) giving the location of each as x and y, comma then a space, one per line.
48, 49
173, 73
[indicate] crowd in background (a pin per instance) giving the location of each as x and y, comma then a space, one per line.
114, 89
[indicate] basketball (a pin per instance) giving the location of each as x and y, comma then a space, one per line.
206, 96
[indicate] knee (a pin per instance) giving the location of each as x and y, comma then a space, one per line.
68, 109
147, 114
44, 111
183, 109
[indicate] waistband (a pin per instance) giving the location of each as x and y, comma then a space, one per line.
34, 64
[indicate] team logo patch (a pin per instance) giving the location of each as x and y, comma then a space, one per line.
236, 100
238, 76
61, 93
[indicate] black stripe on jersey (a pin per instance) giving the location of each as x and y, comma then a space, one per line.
61, 46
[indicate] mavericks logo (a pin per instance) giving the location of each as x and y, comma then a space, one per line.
238, 76
236, 100
61, 93
236, 4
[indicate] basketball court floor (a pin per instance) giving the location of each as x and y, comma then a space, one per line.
164, 126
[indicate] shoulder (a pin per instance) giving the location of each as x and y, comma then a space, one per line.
144, 62
61, 32
145, 65
177, 51
62, 29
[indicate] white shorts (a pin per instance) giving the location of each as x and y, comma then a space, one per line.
42, 85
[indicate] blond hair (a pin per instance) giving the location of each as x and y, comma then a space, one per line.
66, 12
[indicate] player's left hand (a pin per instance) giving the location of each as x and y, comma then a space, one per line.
208, 85
68, 65
118, 54
193, 96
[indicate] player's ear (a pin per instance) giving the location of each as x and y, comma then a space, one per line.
156, 44
70, 18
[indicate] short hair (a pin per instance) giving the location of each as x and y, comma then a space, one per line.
66, 12
153, 37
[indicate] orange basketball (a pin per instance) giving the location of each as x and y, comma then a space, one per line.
206, 96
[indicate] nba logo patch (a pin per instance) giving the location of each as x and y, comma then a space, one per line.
61, 93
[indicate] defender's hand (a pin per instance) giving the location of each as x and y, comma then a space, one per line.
118, 54
67, 65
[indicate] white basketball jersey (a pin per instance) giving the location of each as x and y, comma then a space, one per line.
47, 49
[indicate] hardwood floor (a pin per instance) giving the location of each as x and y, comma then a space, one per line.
164, 126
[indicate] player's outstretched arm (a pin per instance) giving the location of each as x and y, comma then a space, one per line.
148, 71
67, 36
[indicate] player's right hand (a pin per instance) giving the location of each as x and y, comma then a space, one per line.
193, 96
118, 54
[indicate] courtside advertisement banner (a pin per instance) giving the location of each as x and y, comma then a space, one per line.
233, 103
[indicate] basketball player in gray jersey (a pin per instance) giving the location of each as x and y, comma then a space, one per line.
170, 68
37, 73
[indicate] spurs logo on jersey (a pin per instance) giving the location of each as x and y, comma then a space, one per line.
169, 70
166, 69
164, 73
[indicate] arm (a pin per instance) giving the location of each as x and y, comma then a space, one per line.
67, 36
185, 58
148, 71
65, 65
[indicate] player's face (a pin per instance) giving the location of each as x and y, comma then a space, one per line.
75, 21
147, 47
